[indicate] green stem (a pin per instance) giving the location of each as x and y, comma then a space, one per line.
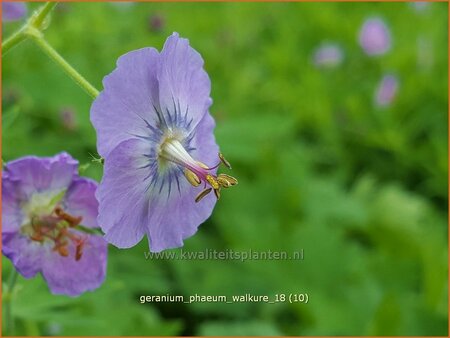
54, 55
38, 20
13, 41
7, 298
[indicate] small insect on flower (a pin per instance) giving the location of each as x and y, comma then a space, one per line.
155, 134
44, 203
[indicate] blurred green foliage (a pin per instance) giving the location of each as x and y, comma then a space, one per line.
362, 189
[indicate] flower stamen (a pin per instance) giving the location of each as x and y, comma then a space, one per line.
217, 193
212, 181
79, 248
54, 228
226, 180
73, 221
196, 172
192, 178
202, 194
224, 161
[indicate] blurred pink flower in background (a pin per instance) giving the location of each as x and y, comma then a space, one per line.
386, 91
374, 37
156, 22
328, 55
13, 11
68, 118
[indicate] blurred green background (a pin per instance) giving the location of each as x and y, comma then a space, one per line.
361, 188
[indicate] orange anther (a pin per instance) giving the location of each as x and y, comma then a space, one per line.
63, 251
72, 220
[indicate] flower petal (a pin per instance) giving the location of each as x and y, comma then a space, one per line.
184, 86
65, 275
26, 255
128, 99
171, 222
11, 201
80, 200
39, 174
123, 193
204, 143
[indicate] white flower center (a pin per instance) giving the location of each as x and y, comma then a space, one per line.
172, 150
41, 203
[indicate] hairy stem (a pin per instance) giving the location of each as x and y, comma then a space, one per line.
38, 20
13, 41
66, 67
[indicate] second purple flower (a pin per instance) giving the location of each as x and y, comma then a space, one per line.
156, 136
44, 202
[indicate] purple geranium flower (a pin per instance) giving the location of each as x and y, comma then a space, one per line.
386, 91
12, 11
375, 37
328, 55
156, 136
44, 203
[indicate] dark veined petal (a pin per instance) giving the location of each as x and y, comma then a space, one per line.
205, 148
123, 193
184, 86
126, 106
